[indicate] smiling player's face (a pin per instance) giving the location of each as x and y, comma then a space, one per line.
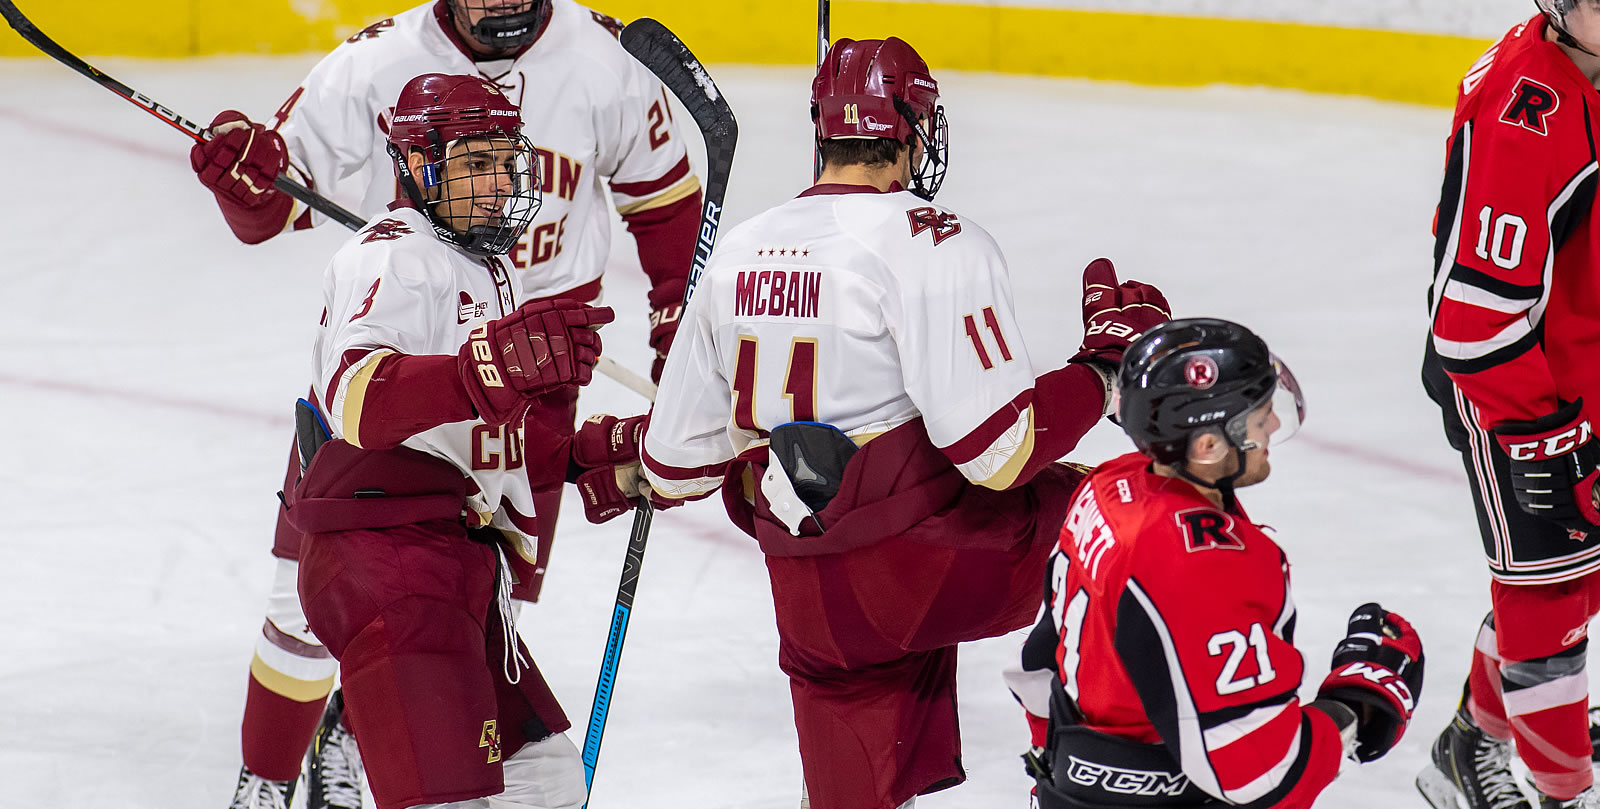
479, 177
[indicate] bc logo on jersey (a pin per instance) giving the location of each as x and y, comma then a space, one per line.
943, 225
386, 230
1531, 105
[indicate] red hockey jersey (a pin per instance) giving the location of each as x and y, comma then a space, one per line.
1516, 289
1176, 627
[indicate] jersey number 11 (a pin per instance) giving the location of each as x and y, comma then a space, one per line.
799, 382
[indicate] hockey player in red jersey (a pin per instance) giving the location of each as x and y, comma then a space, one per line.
1515, 303
599, 121
408, 525
852, 367
1162, 672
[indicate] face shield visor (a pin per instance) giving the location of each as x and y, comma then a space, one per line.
1288, 407
1556, 9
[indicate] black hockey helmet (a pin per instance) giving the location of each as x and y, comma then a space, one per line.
1194, 374
506, 32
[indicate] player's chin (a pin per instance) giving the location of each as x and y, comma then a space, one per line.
1258, 470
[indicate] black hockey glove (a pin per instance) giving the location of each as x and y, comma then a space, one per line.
1377, 671
1554, 463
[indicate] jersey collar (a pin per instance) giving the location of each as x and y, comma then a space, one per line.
824, 189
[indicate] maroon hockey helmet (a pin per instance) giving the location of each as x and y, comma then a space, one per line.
477, 160
435, 109
881, 88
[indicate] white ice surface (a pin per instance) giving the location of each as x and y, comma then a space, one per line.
148, 363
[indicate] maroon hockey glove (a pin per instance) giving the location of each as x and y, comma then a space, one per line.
1377, 671
1115, 315
1553, 466
605, 451
663, 327
239, 164
542, 346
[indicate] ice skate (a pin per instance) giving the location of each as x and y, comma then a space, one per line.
1587, 799
1471, 770
255, 792
334, 777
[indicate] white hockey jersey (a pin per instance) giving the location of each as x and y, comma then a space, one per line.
859, 309
396, 288
594, 113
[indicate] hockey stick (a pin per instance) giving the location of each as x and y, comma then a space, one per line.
282, 182
200, 134
658, 49
667, 57
619, 632
823, 43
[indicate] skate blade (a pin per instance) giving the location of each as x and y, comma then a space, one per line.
1438, 790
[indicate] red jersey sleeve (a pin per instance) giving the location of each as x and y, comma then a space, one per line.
1520, 179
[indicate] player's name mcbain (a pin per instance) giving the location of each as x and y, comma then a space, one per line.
777, 293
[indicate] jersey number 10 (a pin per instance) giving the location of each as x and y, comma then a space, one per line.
1504, 256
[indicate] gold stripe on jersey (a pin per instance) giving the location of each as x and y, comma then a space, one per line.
683, 189
1006, 475
355, 396
285, 686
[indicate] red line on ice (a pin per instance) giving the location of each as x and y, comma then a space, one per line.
56, 126
1364, 455
261, 417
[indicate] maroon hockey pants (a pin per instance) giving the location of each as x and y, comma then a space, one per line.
276, 729
410, 614
868, 638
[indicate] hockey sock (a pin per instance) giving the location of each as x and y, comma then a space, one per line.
1546, 700
1483, 698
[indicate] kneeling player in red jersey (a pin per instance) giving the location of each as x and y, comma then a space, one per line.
1162, 672
852, 366
408, 525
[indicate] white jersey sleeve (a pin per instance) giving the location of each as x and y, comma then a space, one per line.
687, 443
381, 299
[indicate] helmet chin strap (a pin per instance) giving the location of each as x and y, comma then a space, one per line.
1565, 38
1223, 485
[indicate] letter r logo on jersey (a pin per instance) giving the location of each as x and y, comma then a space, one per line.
1205, 529
1530, 106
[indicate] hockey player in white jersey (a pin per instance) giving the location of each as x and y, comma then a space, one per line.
851, 373
413, 501
600, 121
